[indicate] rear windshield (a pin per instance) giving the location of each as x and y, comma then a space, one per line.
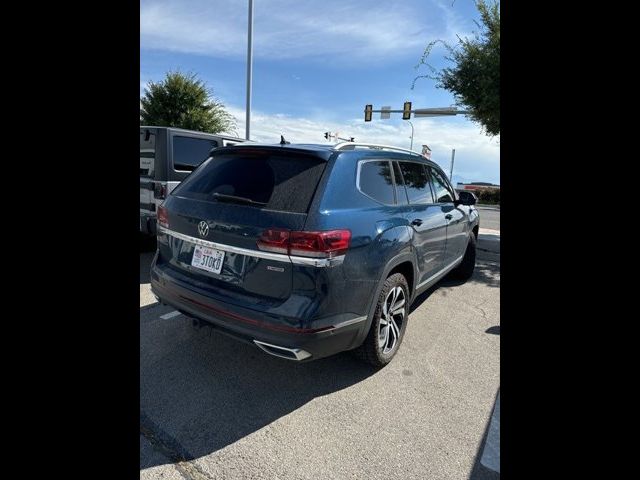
147, 151
259, 179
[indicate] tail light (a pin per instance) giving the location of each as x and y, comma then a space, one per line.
160, 191
163, 217
274, 240
326, 244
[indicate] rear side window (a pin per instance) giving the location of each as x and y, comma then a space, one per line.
401, 194
375, 181
189, 152
416, 182
259, 179
441, 189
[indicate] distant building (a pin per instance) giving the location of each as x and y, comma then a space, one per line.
477, 186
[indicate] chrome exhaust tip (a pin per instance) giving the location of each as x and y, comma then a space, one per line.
295, 354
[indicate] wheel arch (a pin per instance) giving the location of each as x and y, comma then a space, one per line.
403, 262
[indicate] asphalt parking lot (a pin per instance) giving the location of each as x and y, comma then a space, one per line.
489, 217
211, 407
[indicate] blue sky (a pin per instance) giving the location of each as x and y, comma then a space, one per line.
316, 65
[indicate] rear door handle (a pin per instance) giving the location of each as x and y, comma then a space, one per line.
417, 222
448, 216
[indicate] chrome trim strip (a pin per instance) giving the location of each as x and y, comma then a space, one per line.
279, 257
298, 353
440, 272
349, 322
317, 262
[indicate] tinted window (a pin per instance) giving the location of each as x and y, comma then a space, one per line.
188, 153
440, 187
416, 182
274, 181
401, 194
375, 181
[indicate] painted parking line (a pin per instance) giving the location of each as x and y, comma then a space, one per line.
169, 315
489, 231
491, 454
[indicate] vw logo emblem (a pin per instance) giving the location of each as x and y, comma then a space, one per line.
203, 228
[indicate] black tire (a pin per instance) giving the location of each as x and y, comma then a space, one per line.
371, 350
465, 269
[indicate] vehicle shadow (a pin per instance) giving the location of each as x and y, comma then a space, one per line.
200, 391
147, 248
145, 266
485, 272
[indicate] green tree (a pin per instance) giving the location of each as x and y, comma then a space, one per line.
474, 79
184, 101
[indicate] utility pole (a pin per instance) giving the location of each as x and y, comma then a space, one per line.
453, 154
249, 66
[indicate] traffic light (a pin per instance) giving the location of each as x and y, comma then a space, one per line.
326, 135
368, 111
352, 139
406, 111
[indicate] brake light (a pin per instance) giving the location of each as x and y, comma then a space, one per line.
163, 217
274, 240
160, 191
326, 244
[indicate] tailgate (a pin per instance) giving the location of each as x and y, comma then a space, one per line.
207, 224
147, 169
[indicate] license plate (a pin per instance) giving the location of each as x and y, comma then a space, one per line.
208, 259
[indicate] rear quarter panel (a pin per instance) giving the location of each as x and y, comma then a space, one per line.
379, 233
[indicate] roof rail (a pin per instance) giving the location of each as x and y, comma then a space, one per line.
372, 146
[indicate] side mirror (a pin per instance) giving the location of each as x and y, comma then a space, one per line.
466, 198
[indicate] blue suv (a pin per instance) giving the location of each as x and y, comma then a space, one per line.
309, 250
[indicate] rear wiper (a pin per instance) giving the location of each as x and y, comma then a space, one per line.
233, 198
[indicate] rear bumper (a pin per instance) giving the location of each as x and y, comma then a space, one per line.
251, 326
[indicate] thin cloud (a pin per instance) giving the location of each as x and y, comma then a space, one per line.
287, 29
477, 156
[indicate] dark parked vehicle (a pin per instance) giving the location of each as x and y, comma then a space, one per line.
310, 250
168, 156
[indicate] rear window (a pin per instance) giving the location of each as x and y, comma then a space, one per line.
190, 152
273, 181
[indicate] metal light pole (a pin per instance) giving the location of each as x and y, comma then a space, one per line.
453, 154
249, 65
411, 147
